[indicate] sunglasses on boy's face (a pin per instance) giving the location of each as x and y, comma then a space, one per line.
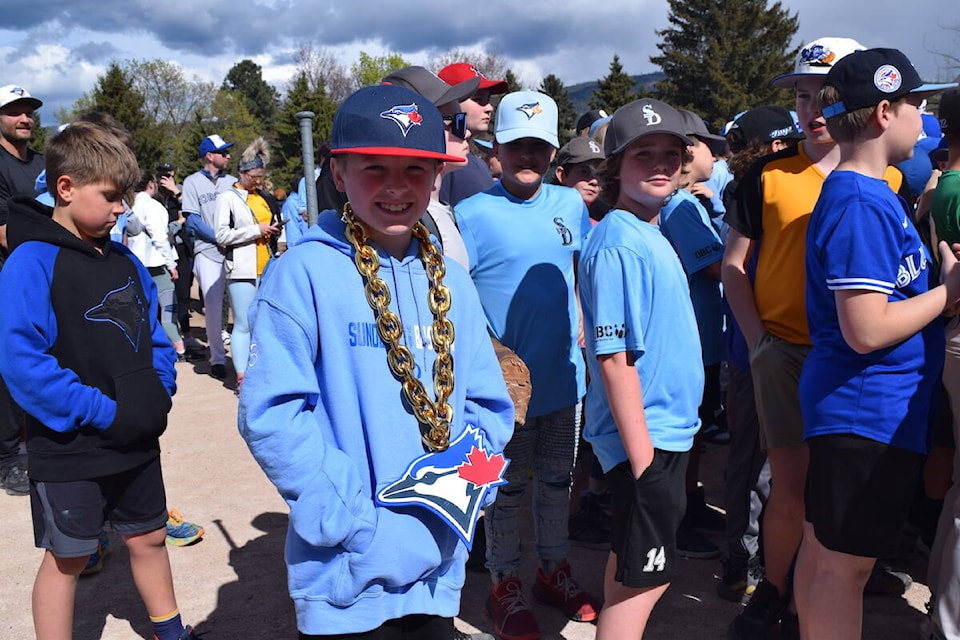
457, 123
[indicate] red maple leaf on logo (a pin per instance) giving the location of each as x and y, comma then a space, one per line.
415, 117
482, 469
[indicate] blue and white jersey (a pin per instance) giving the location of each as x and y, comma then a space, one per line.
636, 300
861, 238
686, 224
522, 255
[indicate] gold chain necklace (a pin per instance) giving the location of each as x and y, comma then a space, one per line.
434, 417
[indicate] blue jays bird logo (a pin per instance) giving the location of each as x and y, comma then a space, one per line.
818, 55
406, 116
451, 483
123, 308
530, 109
887, 78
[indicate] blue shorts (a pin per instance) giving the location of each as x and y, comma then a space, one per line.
67, 516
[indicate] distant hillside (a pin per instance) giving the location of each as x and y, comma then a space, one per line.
580, 93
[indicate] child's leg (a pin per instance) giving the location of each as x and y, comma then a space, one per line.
502, 518
150, 567
54, 591
783, 518
828, 587
554, 456
625, 611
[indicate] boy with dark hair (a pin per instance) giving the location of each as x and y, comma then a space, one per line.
86, 358
869, 382
643, 349
374, 401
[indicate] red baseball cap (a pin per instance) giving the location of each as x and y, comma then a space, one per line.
462, 71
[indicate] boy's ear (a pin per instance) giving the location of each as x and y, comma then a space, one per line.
337, 174
558, 172
63, 189
882, 113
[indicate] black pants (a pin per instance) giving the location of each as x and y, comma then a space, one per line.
182, 287
11, 422
414, 627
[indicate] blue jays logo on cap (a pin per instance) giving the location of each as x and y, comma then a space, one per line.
18, 91
818, 54
451, 483
406, 116
530, 109
887, 78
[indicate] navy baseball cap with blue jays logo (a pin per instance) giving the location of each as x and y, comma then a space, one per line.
389, 120
866, 78
641, 118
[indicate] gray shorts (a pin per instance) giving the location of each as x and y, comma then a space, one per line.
776, 365
67, 516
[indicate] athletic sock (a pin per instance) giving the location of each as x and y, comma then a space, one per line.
167, 627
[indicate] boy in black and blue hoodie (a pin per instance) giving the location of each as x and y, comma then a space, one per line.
84, 355
381, 426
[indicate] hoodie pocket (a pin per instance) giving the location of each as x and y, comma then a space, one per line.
142, 407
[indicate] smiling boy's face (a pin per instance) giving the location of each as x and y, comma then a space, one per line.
523, 163
388, 193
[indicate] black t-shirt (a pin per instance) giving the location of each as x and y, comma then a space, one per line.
17, 177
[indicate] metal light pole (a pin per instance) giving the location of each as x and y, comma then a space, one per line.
305, 118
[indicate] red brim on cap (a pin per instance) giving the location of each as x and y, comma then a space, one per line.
399, 152
496, 87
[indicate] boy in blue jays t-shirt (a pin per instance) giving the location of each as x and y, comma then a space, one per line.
523, 238
867, 387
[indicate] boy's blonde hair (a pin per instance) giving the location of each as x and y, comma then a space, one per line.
89, 154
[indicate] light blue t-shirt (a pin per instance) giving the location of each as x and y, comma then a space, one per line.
522, 255
636, 300
861, 238
686, 224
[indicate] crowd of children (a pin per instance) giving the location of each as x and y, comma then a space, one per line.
788, 286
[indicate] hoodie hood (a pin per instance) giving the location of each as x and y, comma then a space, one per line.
32, 220
331, 231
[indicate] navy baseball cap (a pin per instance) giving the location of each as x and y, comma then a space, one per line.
865, 78
389, 120
213, 144
763, 124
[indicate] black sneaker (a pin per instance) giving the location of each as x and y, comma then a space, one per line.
693, 544
884, 581
760, 615
739, 580
15, 480
218, 371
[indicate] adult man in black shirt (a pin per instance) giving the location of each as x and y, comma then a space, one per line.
19, 168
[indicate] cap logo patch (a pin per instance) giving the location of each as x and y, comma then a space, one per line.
530, 109
818, 55
887, 78
779, 133
594, 147
405, 115
651, 116
18, 91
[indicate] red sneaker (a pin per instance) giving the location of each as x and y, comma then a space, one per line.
560, 590
512, 617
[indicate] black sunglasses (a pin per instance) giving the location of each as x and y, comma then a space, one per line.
458, 124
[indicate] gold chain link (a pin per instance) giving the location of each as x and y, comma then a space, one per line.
434, 417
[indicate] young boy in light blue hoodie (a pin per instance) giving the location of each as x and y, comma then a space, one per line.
373, 399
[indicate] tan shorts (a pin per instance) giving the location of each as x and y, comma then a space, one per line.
775, 365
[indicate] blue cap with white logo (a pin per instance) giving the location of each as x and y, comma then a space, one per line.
527, 114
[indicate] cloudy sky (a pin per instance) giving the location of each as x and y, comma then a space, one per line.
57, 48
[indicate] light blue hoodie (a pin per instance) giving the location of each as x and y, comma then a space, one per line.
329, 425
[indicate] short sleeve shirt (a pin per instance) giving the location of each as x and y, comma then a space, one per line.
861, 238
635, 300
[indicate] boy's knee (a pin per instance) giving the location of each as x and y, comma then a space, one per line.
146, 541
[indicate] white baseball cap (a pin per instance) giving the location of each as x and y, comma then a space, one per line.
12, 93
817, 58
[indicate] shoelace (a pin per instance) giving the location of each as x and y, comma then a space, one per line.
568, 585
513, 599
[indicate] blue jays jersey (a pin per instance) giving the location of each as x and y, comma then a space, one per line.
635, 299
522, 255
861, 238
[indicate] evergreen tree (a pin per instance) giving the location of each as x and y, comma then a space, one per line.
288, 157
226, 115
614, 90
115, 94
719, 57
246, 79
567, 113
513, 82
